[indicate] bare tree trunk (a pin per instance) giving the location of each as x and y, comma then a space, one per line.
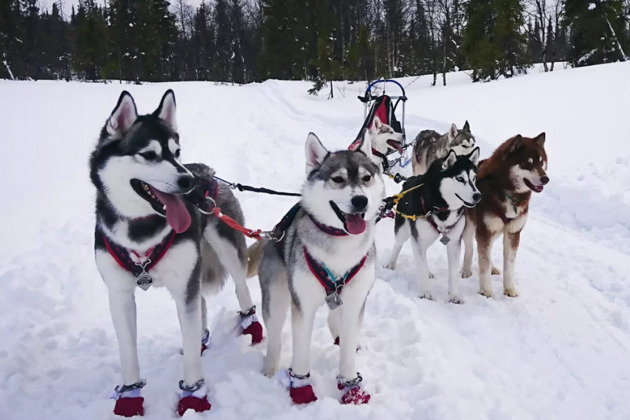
614, 35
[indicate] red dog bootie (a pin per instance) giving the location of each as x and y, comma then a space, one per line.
251, 326
129, 400
300, 389
194, 397
353, 392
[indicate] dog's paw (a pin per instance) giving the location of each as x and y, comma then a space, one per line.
495, 271
193, 403
466, 272
511, 292
268, 370
486, 292
390, 265
129, 407
426, 295
454, 298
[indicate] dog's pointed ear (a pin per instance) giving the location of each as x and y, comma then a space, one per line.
166, 110
449, 160
122, 117
466, 127
366, 146
474, 156
452, 132
377, 123
540, 139
315, 152
517, 142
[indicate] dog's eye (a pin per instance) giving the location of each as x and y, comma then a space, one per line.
530, 161
178, 152
367, 178
460, 179
337, 179
149, 155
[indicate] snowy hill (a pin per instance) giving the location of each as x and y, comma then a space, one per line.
559, 351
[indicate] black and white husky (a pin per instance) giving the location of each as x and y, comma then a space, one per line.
326, 255
150, 231
434, 206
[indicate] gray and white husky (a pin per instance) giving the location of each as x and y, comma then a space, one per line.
327, 255
145, 212
430, 145
434, 205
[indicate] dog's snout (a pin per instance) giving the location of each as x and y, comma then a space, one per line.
359, 202
544, 180
186, 182
476, 197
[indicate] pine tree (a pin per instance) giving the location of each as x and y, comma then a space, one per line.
11, 34
91, 31
598, 31
493, 43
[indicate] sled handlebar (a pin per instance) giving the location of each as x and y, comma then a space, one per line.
367, 97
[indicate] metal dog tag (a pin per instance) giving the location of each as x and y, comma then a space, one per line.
144, 281
334, 301
445, 239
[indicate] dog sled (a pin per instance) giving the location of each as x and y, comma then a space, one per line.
385, 106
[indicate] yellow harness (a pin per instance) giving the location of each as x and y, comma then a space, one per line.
412, 217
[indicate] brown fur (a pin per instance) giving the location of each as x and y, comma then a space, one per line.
496, 181
254, 255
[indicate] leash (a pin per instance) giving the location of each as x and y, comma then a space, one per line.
241, 187
257, 234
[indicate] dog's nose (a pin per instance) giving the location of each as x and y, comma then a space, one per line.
544, 179
476, 197
359, 202
186, 182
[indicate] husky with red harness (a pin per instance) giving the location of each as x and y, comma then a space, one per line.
326, 255
158, 224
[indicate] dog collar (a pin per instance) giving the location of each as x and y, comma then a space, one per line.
329, 282
137, 265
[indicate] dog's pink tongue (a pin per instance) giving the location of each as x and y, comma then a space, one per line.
176, 213
355, 224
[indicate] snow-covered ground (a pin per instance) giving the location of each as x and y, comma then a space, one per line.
561, 350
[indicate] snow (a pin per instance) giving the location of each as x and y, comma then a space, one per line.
560, 350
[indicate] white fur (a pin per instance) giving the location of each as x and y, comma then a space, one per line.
378, 135
172, 272
518, 176
173, 146
339, 255
119, 170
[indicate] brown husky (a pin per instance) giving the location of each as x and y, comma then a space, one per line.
506, 181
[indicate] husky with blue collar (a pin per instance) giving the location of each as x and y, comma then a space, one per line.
154, 228
326, 257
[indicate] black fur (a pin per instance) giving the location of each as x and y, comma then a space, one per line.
429, 192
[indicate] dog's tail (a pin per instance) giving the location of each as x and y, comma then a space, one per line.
254, 254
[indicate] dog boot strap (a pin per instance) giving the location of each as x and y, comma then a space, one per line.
129, 401
129, 391
194, 397
300, 388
